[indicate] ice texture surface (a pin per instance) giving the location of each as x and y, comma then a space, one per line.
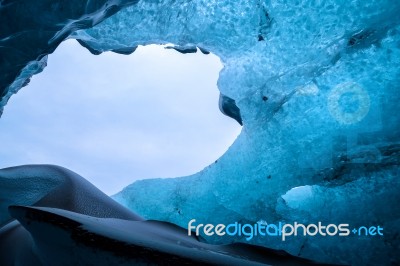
316, 83
57, 187
229, 108
76, 224
317, 86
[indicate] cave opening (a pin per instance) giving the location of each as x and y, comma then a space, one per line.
118, 118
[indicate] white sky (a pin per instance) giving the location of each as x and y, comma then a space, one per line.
115, 119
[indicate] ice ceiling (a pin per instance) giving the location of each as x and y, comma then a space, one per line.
317, 85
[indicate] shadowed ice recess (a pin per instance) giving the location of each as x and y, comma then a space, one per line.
317, 86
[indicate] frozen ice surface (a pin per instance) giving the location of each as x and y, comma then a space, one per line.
317, 86
58, 187
76, 224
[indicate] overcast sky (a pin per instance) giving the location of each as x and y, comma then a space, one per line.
115, 119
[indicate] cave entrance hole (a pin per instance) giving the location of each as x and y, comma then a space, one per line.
115, 118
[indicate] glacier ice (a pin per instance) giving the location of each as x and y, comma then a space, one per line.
317, 85
29, 31
54, 186
76, 224
229, 108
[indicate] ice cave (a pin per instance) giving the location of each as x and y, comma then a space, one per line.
315, 85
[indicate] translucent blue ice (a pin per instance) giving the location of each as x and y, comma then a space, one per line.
317, 85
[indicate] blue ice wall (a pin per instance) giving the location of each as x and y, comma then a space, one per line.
317, 85
29, 30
